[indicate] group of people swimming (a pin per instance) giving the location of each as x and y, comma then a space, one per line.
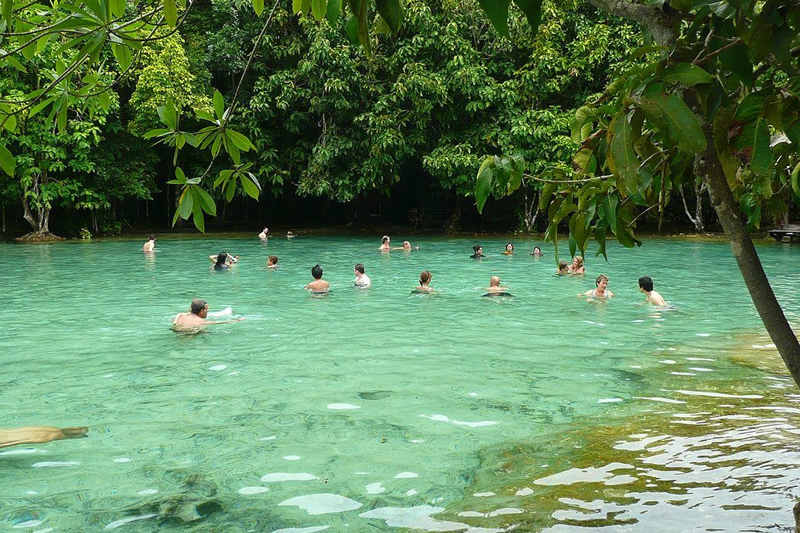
199, 315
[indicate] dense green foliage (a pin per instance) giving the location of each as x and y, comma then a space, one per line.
325, 118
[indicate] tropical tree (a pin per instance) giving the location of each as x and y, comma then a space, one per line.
719, 78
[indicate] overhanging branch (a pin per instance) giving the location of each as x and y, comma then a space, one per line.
661, 25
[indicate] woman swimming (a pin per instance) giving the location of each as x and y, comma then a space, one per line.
509, 249
577, 266
478, 252
600, 291
386, 244
425, 278
222, 261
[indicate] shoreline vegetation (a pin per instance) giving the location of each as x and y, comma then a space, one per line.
343, 231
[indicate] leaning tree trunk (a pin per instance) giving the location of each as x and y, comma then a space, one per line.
749, 263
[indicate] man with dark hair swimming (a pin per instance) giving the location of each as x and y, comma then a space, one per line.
319, 285
196, 317
646, 288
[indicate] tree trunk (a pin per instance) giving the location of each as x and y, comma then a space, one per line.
747, 258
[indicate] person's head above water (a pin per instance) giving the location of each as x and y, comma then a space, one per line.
152, 237
646, 283
222, 258
316, 271
272, 260
385, 239
601, 278
406, 245
359, 268
494, 281
477, 248
509, 247
199, 308
537, 250
562, 265
425, 277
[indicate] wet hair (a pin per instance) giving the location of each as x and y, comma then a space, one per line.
511, 244
494, 281
646, 283
600, 278
222, 257
537, 248
273, 259
476, 248
562, 265
384, 239
359, 268
579, 259
152, 237
198, 306
425, 277
316, 271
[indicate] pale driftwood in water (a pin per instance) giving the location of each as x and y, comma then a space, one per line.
39, 434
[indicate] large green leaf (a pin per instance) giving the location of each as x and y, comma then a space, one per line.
686, 74
359, 9
392, 12
8, 11
334, 8
7, 161
258, 7
122, 54
533, 12
318, 8
497, 11
761, 162
483, 183
171, 14
796, 179
671, 112
623, 156
219, 105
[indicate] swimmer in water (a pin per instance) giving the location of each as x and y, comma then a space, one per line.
563, 268
425, 278
362, 280
386, 244
39, 434
319, 285
196, 318
577, 267
406, 247
495, 289
272, 262
509, 249
222, 261
651, 296
537, 252
477, 252
264, 234
601, 291
289, 235
150, 245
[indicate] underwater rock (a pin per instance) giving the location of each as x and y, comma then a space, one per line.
194, 500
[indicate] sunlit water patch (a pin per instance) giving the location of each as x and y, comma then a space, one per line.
383, 410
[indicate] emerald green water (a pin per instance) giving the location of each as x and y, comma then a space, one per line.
381, 410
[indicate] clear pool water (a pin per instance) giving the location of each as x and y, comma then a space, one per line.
382, 410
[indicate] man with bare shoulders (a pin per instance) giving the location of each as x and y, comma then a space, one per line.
651, 296
150, 245
319, 285
196, 318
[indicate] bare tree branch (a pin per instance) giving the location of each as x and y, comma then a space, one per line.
661, 25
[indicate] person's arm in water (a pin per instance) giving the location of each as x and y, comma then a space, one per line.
213, 258
39, 434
